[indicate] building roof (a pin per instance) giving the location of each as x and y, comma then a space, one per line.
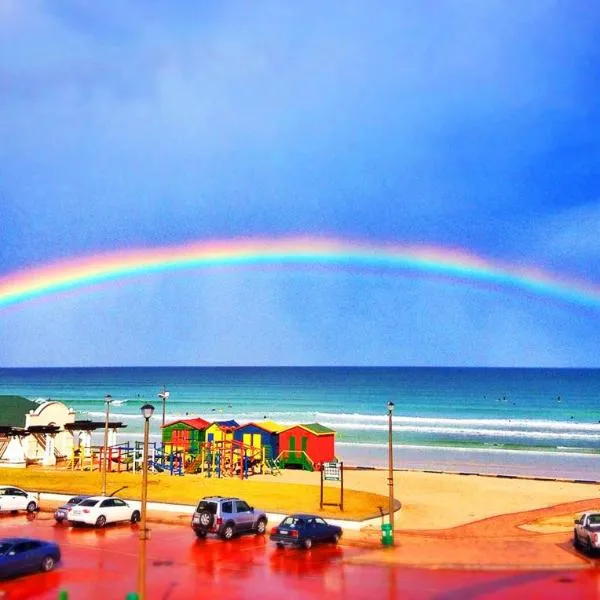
196, 423
269, 426
315, 428
13, 410
226, 424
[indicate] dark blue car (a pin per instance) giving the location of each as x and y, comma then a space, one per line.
24, 555
304, 530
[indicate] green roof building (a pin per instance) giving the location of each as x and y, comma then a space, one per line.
13, 410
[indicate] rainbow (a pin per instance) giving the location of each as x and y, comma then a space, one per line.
45, 280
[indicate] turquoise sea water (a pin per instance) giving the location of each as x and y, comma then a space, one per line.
542, 421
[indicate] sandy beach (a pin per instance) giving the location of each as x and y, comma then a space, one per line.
441, 500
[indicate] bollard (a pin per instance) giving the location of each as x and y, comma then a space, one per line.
387, 535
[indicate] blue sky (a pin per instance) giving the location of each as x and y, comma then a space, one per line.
464, 124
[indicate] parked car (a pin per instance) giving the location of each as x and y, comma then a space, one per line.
302, 531
100, 510
14, 498
226, 517
62, 512
587, 531
24, 555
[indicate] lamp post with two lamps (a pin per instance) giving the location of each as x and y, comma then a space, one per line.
147, 411
390, 407
107, 399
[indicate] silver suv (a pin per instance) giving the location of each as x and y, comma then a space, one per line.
226, 517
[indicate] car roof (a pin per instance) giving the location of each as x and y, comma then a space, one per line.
103, 498
17, 540
218, 498
303, 516
16, 487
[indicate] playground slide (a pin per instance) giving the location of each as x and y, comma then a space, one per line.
157, 467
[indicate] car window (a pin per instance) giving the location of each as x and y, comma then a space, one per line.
88, 502
228, 507
3, 492
320, 521
107, 503
594, 520
118, 502
4, 548
241, 506
292, 522
211, 507
17, 492
20, 548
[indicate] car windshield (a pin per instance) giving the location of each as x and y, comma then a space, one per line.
4, 548
594, 520
292, 522
76, 500
88, 502
211, 507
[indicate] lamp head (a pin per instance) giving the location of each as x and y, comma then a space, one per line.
164, 395
390, 406
108, 398
147, 411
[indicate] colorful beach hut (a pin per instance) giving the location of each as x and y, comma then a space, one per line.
185, 434
307, 445
219, 431
264, 434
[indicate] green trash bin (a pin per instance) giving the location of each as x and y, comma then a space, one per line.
387, 535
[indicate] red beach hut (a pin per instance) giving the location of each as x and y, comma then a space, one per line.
308, 446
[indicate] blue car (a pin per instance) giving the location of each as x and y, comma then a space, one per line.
302, 531
25, 555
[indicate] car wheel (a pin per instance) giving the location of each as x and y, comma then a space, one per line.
336, 538
59, 519
576, 541
261, 527
135, 516
47, 564
31, 507
307, 544
206, 519
200, 533
101, 521
228, 532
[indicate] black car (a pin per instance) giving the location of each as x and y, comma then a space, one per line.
62, 512
302, 530
24, 555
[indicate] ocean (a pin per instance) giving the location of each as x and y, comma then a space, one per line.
530, 422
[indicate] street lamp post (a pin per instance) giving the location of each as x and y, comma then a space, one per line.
107, 399
164, 395
390, 407
147, 411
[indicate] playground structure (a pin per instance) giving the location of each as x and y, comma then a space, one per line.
218, 449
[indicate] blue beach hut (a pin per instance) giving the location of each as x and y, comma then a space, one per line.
260, 435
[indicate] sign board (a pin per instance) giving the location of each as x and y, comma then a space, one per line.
332, 471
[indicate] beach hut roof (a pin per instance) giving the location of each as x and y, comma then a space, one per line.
269, 426
13, 410
226, 424
196, 423
315, 428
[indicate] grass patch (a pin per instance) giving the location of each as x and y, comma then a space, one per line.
276, 496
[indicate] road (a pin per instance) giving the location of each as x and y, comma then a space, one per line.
103, 564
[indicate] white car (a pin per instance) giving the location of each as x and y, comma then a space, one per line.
100, 510
14, 498
586, 534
